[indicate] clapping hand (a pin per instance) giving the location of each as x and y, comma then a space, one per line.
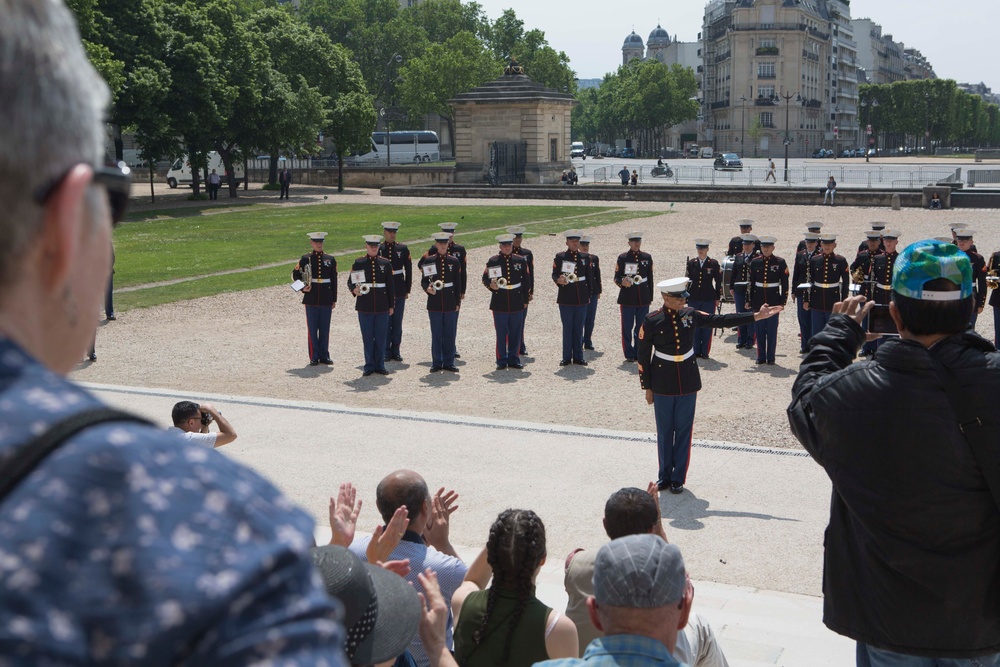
439, 523
344, 511
385, 540
654, 490
433, 620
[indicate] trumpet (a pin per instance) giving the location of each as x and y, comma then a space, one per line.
992, 279
364, 288
570, 277
501, 282
438, 285
858, 275
637, 279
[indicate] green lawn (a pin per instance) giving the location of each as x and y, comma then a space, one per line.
186, 243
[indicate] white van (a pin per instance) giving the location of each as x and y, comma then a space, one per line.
180, 171
576, 149
706, 151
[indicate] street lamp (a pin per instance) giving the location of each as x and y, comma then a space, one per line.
788, 139
868, 121
396, 59
743, 123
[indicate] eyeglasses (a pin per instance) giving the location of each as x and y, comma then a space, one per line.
116, 180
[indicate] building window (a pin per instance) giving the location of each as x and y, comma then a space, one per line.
765, 71
554, 150
765, 91
767, 119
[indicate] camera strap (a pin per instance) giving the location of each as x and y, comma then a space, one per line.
972, 427
31, 455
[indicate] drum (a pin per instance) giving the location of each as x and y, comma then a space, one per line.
727, 274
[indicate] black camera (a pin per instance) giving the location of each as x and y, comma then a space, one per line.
881, 322
206, 418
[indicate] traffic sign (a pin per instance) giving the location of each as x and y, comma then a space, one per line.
835, 130
869, 130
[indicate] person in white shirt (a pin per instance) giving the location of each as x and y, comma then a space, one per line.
193, 422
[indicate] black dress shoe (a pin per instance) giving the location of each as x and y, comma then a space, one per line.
92, 356
435, 369
676, 487
565, 362
314, 362
588, 347
760, 362
516, 367
396, 357
458, 356
381, 371
451, 369
366, 373
326, 362
630, 360
580, 362
501, 367
111, 318
663, 486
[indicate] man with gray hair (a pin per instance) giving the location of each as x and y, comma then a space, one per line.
642, 599
121, 544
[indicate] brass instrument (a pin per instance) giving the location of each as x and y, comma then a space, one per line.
364, 288
858, 276
993, 279
438, 285
501, 282
307, 273
637, 279
570, 278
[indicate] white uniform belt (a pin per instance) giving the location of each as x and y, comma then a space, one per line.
379, 285
768, 285
826, 285
885, 287
581, 280
320, 280
445, 285
511, 286
676, 358
399, 272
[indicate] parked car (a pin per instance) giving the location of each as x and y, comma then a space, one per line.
728, 162
819, 153
628, 153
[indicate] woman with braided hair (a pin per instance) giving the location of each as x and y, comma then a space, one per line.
506, 624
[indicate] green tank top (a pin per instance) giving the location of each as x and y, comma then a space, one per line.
527, 645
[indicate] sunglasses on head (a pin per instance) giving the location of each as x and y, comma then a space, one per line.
115, 179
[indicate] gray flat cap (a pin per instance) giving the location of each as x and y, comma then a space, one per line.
639, 571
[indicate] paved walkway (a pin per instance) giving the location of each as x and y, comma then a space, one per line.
750, 525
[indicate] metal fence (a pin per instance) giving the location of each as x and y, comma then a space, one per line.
857, 176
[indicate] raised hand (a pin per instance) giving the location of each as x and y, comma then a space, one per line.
386, 539
344, 511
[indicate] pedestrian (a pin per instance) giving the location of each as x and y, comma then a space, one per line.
831, 190
519, 249
768, 287
460, 253
669, 374
285, 181
739, 284
595, 293
624, 175
506, 275
374, 287
570, 272
441, 278
914, 528
214, 181
402, 274
319, 296
800, 288
705, 275
770, 172
829, 279
634, 277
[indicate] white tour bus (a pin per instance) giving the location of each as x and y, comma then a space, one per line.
407, 147
180, 170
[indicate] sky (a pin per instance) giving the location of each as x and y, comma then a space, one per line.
955, 37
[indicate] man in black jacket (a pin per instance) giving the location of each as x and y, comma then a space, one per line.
319, 297
507, 276
595, 294
913, 546
571, 270
669, 374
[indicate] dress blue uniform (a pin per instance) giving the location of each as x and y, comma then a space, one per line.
633, 300
706, 292
321, 298
374, 306
573, 297
460, 253
596, 289
519, 249
830, 278
402, 274
741, 274
510, 294
442, 306
768, 285
736, 243
800, 276
668, 369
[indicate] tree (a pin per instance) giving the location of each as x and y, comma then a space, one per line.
755, 132
444, 71
440, 19
351, 125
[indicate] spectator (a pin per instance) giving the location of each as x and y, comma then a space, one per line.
642, 598
624, 174
574, 178
632, 511
124, 545
936, 201
507, 626
434, 621
425, 542
914, 527
381, 610
635, 177
285, 181
831, 190
565, 178
214, 181
193, 422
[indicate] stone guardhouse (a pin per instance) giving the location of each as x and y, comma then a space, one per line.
512, 130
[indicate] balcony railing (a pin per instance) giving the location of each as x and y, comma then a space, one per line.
723, 56
768, 125
813, 104
768, 51
721, 104
764, 102
810, 56
772, 75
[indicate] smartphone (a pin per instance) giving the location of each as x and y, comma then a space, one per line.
881, 322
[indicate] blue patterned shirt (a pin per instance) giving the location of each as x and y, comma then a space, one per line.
619, 651
130, 545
